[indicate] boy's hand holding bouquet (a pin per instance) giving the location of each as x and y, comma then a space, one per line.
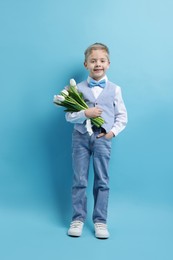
73, 101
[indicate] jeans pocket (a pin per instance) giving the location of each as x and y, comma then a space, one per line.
108, 139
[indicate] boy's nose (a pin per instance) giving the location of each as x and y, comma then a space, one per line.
98, 63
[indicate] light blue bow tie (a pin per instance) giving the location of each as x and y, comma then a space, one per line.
94, 83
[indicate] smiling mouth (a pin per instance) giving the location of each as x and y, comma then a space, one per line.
98, 70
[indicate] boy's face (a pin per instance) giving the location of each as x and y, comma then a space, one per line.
97, 64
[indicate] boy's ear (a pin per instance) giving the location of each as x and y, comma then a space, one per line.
85, 64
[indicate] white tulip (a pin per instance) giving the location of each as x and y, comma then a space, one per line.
67, 88
64, 91
59, 98
54, 98
72, 83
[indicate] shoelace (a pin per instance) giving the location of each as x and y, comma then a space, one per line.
101, 226
76, 224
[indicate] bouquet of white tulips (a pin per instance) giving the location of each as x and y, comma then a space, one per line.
73, 101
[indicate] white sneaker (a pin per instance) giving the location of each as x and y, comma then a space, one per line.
101, 230
76, 228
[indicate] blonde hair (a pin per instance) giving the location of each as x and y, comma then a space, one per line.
96, 46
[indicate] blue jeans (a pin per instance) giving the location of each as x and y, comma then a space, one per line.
85, 146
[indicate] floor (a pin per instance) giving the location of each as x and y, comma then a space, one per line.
138, 232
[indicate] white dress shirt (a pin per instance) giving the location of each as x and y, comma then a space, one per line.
120, 110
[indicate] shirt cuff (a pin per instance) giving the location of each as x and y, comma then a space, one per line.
82, 114
114, 131
76, 117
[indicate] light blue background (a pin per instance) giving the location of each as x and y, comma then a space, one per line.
42, 45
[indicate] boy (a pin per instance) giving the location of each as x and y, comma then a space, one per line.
104, 99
